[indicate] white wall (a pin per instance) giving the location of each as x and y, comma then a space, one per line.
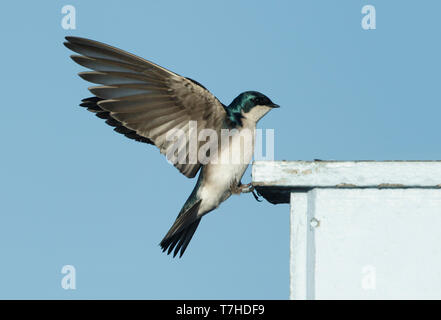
359, 229
366, 244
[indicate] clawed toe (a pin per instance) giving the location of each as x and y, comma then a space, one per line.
246, 188
242, 188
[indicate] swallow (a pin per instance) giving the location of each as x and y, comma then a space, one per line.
145, 102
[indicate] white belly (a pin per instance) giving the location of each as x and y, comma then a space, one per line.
220, 176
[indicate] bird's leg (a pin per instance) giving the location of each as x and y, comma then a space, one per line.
236, 189
246, 188
241, 188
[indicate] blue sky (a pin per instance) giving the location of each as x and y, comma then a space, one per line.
75, 193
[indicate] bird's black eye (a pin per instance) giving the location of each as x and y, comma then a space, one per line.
262, 101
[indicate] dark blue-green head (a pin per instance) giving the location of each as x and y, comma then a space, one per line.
250, 106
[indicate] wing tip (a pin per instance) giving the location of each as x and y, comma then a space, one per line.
80, 59
73, 39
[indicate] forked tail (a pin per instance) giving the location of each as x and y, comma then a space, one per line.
181, 232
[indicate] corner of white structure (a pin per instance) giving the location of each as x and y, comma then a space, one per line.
302, 249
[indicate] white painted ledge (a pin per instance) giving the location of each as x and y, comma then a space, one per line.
359, 229
354, 174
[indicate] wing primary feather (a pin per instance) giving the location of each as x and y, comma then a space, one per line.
143, 100
91, 104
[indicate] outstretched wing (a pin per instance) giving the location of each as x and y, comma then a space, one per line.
144, 101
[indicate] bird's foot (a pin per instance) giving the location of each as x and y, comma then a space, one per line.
250, 188
242, 188
245, 188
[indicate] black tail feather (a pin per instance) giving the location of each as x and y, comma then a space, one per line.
182, 231
179, 241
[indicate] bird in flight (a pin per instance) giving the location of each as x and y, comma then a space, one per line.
146, 102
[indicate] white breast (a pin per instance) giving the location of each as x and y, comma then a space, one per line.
221, 175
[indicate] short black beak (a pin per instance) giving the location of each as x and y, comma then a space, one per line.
273, 105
